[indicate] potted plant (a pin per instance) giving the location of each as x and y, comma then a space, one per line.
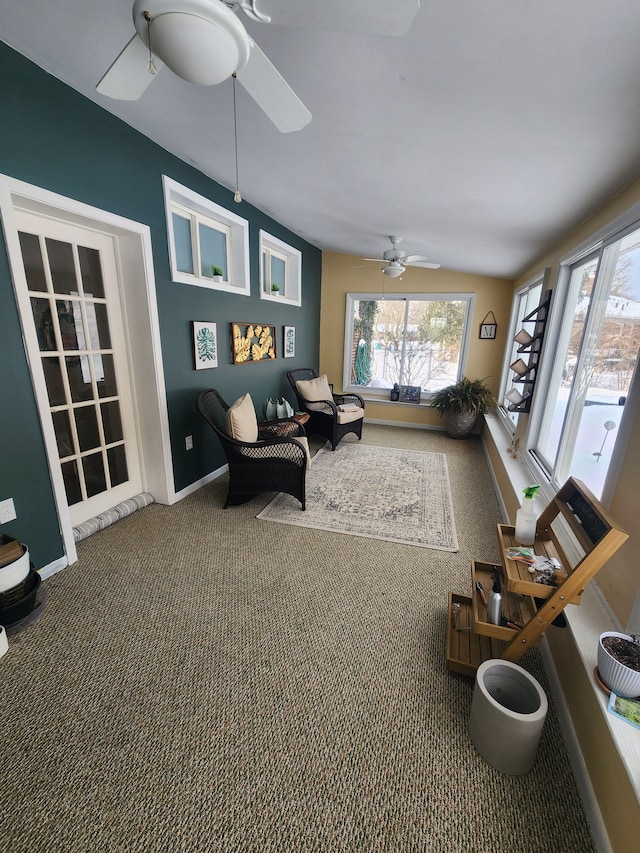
461, 403
619, 663
275, 289
216, 272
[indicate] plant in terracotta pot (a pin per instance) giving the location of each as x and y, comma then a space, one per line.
461, 403
619, 663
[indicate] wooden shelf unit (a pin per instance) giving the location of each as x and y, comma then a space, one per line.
534, 606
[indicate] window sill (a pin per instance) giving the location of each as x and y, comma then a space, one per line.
585, 622
284, 300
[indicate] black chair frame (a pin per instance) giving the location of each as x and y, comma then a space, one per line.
323, 415
275, 463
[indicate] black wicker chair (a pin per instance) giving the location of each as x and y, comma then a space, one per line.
324, 417
275, 463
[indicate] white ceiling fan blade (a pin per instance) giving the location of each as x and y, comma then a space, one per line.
128, 77
375, 17
427, 265
411, 259
272, 93
377, 260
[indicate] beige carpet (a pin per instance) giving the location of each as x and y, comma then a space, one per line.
203, 681
388, 493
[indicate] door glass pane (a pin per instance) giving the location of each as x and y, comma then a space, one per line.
32, 259
91, 272
41, 310
63, 271
79, 378
213, 250
62, 428
100, 335
53, 379
70, 321
94, 476
117, 465
111, 422
71, 482
87, 428
183, 247
107, 387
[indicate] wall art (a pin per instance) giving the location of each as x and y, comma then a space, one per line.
289, 341
252, 342
205, 345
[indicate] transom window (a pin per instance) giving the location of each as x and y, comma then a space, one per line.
409, 339
208, 245
280, 270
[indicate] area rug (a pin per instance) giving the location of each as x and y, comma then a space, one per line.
379, 492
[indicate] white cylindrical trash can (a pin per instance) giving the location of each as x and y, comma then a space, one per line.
507, 715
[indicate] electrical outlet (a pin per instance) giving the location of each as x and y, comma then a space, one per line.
188, 442
7, 511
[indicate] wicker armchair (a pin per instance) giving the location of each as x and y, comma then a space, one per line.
274, 463
325, 418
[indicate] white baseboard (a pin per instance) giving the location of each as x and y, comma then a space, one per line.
53, 568
193, 487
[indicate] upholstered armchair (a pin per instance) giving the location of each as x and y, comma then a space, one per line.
330, 415
262, 458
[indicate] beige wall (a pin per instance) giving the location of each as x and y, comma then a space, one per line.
342, 274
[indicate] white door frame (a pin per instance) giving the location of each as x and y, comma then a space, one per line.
132, 244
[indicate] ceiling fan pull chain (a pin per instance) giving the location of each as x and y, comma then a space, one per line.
151, 64
236, 196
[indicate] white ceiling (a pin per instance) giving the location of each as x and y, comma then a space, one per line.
490, 129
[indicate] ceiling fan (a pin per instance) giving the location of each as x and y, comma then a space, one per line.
204, 41
395, 261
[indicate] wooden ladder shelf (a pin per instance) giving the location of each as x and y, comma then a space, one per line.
573, 515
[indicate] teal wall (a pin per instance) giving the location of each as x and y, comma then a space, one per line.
57, 139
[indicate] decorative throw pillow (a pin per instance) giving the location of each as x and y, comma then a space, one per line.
315, 390
242, 423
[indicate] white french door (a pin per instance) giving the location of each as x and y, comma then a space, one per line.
72, 282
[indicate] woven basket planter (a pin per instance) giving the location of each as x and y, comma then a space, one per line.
459, 424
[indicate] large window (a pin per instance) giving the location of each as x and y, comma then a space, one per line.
594, 359
208, 245
409, 339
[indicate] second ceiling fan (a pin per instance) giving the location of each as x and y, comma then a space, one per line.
395, 260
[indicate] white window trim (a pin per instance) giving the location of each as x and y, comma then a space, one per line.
293, 264
375, 394
180, 199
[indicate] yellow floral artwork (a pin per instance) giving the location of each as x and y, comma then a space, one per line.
252, 342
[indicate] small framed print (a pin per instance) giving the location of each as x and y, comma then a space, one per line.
487, 331
488, 327
205, 345
410, 393
289, 341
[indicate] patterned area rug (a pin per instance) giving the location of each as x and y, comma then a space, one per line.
379, 492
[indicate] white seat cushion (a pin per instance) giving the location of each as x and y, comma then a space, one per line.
242, 423
315, 390
347, 417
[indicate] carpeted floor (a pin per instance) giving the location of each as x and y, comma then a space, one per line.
204, 681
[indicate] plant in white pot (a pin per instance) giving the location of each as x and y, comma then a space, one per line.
216, 272
461, 403
619, 663
275, 289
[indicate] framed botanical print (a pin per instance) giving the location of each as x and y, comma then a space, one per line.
205, 345
289, 341
252, 342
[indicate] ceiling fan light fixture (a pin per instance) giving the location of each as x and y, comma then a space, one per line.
393, 269
197, 50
